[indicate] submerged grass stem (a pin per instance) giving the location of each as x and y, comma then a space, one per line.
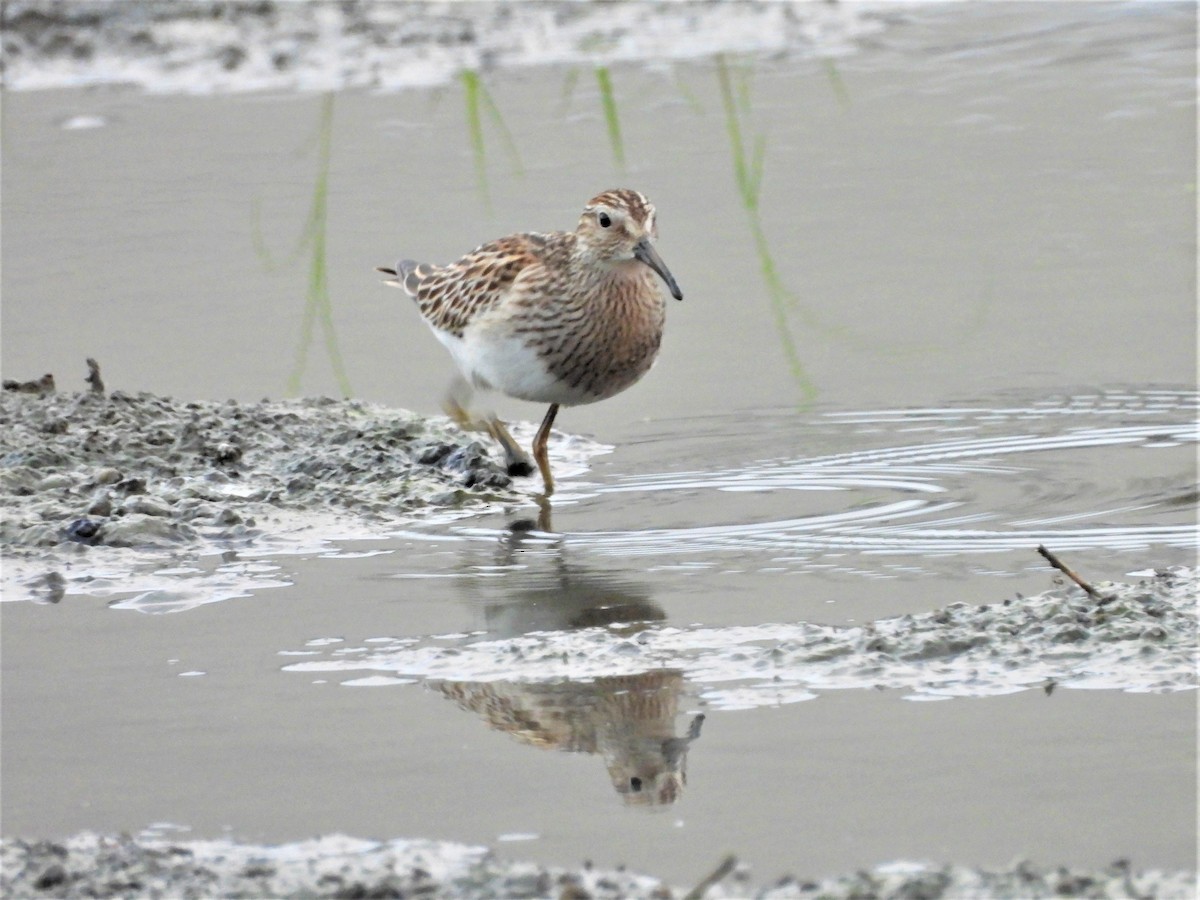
611, 121
478, 99
318, 307
748, 173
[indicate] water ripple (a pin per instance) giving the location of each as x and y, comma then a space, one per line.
1111, 470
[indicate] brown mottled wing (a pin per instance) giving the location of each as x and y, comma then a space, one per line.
449, 297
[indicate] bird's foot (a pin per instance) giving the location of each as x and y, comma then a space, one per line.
519, 468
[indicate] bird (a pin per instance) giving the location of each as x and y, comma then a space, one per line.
564, 318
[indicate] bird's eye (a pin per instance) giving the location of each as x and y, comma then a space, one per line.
604, 220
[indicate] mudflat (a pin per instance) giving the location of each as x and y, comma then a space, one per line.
786, 603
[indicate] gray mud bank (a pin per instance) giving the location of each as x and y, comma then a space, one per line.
209, 46
1138, 637
89, 865
138, 470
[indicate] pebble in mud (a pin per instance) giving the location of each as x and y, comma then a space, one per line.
49, 588
141, 470
83, 531
100, 504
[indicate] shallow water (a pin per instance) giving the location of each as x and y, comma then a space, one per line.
958, 322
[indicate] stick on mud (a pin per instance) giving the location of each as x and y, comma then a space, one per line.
718, 875
1062, 567
94, 376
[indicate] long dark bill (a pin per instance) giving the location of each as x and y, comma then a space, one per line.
644, 251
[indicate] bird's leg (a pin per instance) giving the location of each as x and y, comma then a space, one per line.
516, 462
544, 511
462, 418
455, 403
540, 456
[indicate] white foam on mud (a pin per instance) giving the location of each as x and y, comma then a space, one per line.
341, 865
215, 47
1141, 640
306, 862
167, 562
1008, 479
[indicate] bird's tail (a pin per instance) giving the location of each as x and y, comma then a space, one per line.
406, 275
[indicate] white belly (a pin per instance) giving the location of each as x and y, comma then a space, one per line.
505, 363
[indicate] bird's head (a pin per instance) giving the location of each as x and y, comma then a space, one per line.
620, 225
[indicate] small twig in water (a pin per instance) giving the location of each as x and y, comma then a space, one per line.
1062, 567
94, 376
718, 875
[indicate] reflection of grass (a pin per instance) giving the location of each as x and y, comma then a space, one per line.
478, 99
835, 82
317, 305
747, 171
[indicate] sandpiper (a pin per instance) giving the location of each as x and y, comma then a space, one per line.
564, 318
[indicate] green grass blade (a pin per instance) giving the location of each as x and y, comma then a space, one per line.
609, 102
734, 129
836, 82
570, 80
257, 240
748, 173
505, 135
318, 306
755, 168
471, 89
689, 96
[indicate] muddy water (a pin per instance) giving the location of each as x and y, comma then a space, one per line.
955, 320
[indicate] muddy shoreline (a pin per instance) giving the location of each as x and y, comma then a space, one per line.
208, 46
109, 472
134, 469
955, 202
90, 865
1140, 637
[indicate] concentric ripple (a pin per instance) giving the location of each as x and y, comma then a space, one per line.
1108, 471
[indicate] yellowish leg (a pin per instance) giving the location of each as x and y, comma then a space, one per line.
455, 406
515, 460
544, 510
540, 454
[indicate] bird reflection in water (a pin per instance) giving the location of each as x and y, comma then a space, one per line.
542, 589
629, 720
